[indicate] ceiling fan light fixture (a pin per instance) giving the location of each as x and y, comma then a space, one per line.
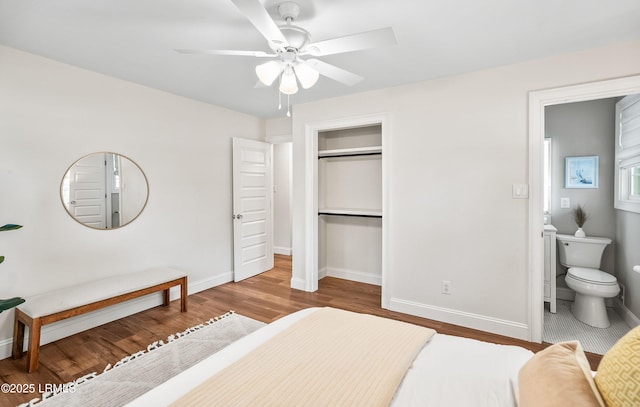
288, 82
306, 75
268, 72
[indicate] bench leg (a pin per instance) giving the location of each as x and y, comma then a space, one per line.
18, 337
33, 352
166, 296
183, 295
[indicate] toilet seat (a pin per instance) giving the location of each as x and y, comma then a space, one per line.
591, 276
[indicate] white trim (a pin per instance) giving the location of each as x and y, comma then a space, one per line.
284, 138
538, 100
565, 294
350, 151
352, 275
629, 317
311, 207
210, 282
311, 192
297, 284
626, 157
467, 319
81, 323
282, 250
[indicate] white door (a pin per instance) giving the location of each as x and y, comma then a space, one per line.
252, 216
87, 189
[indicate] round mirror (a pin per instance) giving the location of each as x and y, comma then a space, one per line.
104, 190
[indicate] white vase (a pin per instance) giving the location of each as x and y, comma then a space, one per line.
580, 233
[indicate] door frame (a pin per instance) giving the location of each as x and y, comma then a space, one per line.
311, 193
282, 139
538, 100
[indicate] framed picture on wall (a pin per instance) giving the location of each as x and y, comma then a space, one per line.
581, 172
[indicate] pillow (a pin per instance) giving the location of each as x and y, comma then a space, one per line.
618, 377
558, 376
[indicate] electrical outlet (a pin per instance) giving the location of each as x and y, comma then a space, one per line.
446, 287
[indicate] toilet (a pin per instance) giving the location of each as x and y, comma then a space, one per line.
582, 257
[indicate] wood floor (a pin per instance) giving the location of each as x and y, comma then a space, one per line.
265, 297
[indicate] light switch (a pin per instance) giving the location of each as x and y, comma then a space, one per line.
520, 191
565, 203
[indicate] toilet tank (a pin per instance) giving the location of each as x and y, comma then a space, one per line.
581, 251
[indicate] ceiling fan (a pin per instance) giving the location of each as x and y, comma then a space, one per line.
290, 45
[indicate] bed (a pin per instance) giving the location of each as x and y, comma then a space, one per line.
447, 371
444, 370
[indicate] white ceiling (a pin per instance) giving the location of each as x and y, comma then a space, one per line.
135, 40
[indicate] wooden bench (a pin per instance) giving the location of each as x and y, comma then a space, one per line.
69, 302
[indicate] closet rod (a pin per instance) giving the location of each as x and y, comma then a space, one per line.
348, 155
357, 215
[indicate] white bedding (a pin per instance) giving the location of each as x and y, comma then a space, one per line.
449, 371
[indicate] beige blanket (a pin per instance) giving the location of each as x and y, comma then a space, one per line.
329, 358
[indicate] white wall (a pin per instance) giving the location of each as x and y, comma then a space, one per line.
51, 114
457, 145
278, 132
282, 198
278, 129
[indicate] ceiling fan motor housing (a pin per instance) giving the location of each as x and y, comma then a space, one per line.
296, 37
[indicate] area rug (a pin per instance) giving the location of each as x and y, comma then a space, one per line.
136, 374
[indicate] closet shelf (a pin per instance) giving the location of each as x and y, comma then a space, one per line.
343, 152
365, 213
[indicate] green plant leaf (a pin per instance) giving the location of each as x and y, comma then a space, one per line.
9, 226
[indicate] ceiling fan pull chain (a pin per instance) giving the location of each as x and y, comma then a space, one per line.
279, 93
288, 106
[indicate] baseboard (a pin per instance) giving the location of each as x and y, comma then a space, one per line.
71, 326
352, 275
467, 319
298, 284
629, 317
282, 250
207, 283
566, 294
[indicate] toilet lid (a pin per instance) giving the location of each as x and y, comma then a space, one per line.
592, 276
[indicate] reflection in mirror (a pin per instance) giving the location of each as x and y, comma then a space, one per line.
104, 190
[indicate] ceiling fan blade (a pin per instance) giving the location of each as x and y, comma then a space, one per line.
260, 18
259, 54
364, 40
333, 72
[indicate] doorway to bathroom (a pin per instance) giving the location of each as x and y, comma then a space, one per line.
582, 135
544, 105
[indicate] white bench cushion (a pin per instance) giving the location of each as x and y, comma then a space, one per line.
86, 293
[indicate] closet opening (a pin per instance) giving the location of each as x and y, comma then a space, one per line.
350, 204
